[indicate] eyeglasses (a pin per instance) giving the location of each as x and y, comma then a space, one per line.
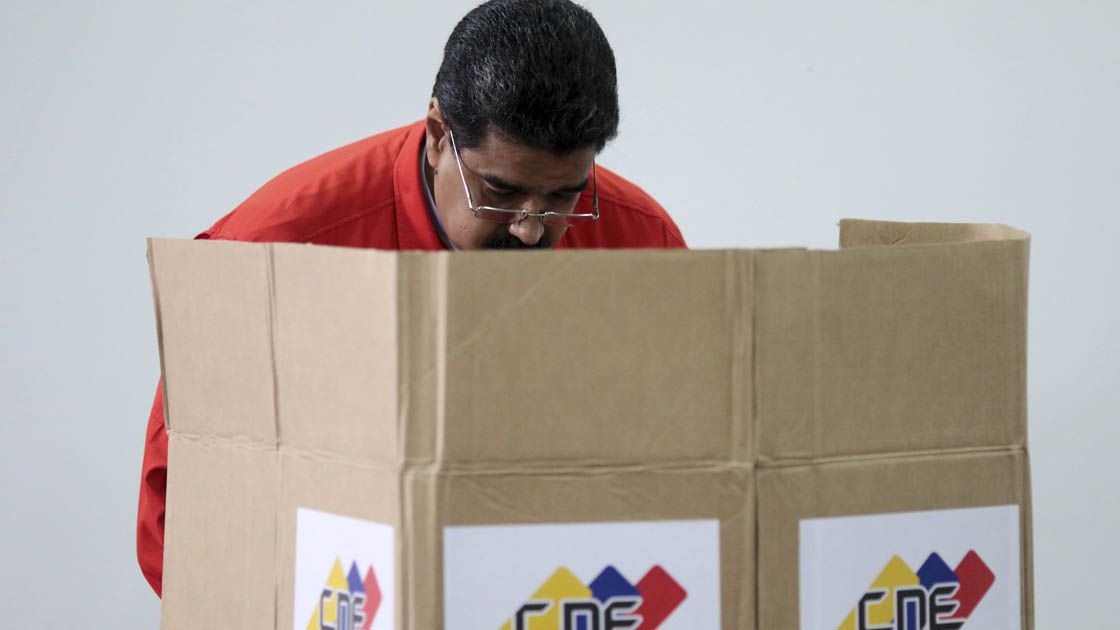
507, 215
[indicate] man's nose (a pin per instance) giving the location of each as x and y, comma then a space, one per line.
528, 230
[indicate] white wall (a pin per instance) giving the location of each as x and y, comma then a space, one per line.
756, 123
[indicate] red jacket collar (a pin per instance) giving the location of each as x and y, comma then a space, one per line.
414, 224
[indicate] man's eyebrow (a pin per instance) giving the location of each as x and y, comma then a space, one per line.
580, 187
499, 183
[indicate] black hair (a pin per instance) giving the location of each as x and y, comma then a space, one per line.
539, 72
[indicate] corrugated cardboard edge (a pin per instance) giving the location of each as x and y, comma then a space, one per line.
742, 286
867, 233
1026, 529
159, 325
422, 290
277, 553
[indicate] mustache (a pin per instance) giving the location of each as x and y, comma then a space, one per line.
505, 240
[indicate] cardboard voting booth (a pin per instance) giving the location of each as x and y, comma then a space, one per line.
598, 439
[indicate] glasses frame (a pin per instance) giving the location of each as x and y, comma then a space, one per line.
516, 215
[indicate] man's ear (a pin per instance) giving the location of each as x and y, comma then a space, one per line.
436, 130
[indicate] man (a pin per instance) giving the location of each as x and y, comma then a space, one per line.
524, 100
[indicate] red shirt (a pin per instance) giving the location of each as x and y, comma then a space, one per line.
370, 194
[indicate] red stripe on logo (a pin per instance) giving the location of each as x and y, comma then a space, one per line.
661, 595
975, 578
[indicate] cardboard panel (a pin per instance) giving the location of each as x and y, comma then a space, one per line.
212, 308
220, 558
787, 496
422, 325
785, 361
597, 356
878, 350
336, 350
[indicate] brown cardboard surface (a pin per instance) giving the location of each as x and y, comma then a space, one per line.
335, 328
788, 494
888, 349
597, 357
862, 233
422, 334
213, 308
432, 390
220, 565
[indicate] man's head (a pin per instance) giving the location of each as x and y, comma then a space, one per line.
528, 89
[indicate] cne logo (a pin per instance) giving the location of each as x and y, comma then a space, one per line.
934, 598
608, 602
348, 601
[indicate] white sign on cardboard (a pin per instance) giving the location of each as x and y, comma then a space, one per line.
841, 558
664, 569
344, 567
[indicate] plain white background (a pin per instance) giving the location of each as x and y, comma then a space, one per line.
756, 123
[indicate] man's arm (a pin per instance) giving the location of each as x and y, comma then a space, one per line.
153, 488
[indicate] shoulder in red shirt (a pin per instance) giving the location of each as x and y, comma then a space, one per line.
368, 194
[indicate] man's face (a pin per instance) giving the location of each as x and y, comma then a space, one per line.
502, 174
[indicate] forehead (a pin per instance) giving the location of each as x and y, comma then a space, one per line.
527, 166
